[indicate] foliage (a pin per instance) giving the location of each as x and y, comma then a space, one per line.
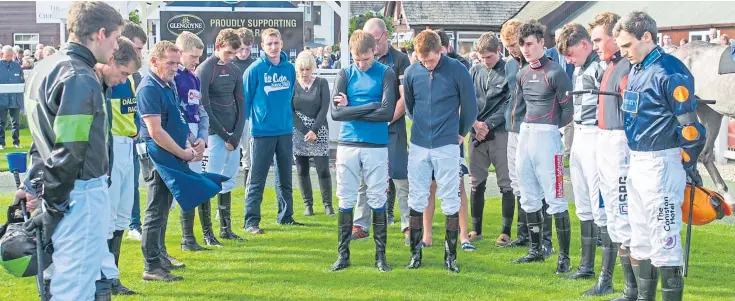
356, 22
408, 45
134, 16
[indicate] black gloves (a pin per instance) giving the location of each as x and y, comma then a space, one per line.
693, 176
47, 222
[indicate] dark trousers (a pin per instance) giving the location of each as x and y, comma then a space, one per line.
135, 214
261, 154
156, 215
14, 121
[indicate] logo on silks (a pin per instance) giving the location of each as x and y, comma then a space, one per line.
669, 242
185, 22
667, 215
559, 173
275, 82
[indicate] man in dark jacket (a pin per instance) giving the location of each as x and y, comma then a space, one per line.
222, 97
70, 154
445, 117
10, 73
489, 139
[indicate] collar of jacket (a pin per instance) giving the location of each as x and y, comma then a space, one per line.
540, 63
651, 58
78, 50
590, 58
616, 57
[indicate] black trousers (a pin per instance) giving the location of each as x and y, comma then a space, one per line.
158, 202
14, 122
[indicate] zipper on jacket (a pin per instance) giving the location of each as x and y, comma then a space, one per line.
431, 125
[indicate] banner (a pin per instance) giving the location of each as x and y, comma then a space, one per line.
208, 24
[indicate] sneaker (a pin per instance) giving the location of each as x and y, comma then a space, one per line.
291, 223
468, 246
160, 275
170, 263
2, 147
135, 234
359, 233
16, 145
255, 230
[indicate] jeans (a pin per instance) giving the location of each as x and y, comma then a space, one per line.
15, 124
135, 213
262, 153
156, 215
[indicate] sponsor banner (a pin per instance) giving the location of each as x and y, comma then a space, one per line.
208, 24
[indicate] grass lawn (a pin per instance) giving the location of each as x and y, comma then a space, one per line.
290, 263
25, 143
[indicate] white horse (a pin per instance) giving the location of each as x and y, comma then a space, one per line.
703, 60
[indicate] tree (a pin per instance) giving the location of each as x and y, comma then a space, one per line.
357, 22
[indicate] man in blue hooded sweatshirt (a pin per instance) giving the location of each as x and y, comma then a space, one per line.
268, 85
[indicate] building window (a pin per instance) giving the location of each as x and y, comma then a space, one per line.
307, 12
466, 41
26, 40
316, 14
701, 35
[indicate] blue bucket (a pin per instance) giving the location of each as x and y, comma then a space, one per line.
17, 161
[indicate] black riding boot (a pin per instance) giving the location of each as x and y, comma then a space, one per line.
344, 231
205, 217
508, 208
609, 255
535, 222
630, 292
521, 229
224, 205
586, 268
564, 236
390, 203
548, 245
325, 187
307, 194
380, 235
646, 277
416, 232
450, 243
114, 245
672, 283
477, 206
188, 240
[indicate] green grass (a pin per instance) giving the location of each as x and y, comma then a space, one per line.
25, 143
289, 263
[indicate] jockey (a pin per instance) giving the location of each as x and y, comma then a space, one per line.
665, 140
